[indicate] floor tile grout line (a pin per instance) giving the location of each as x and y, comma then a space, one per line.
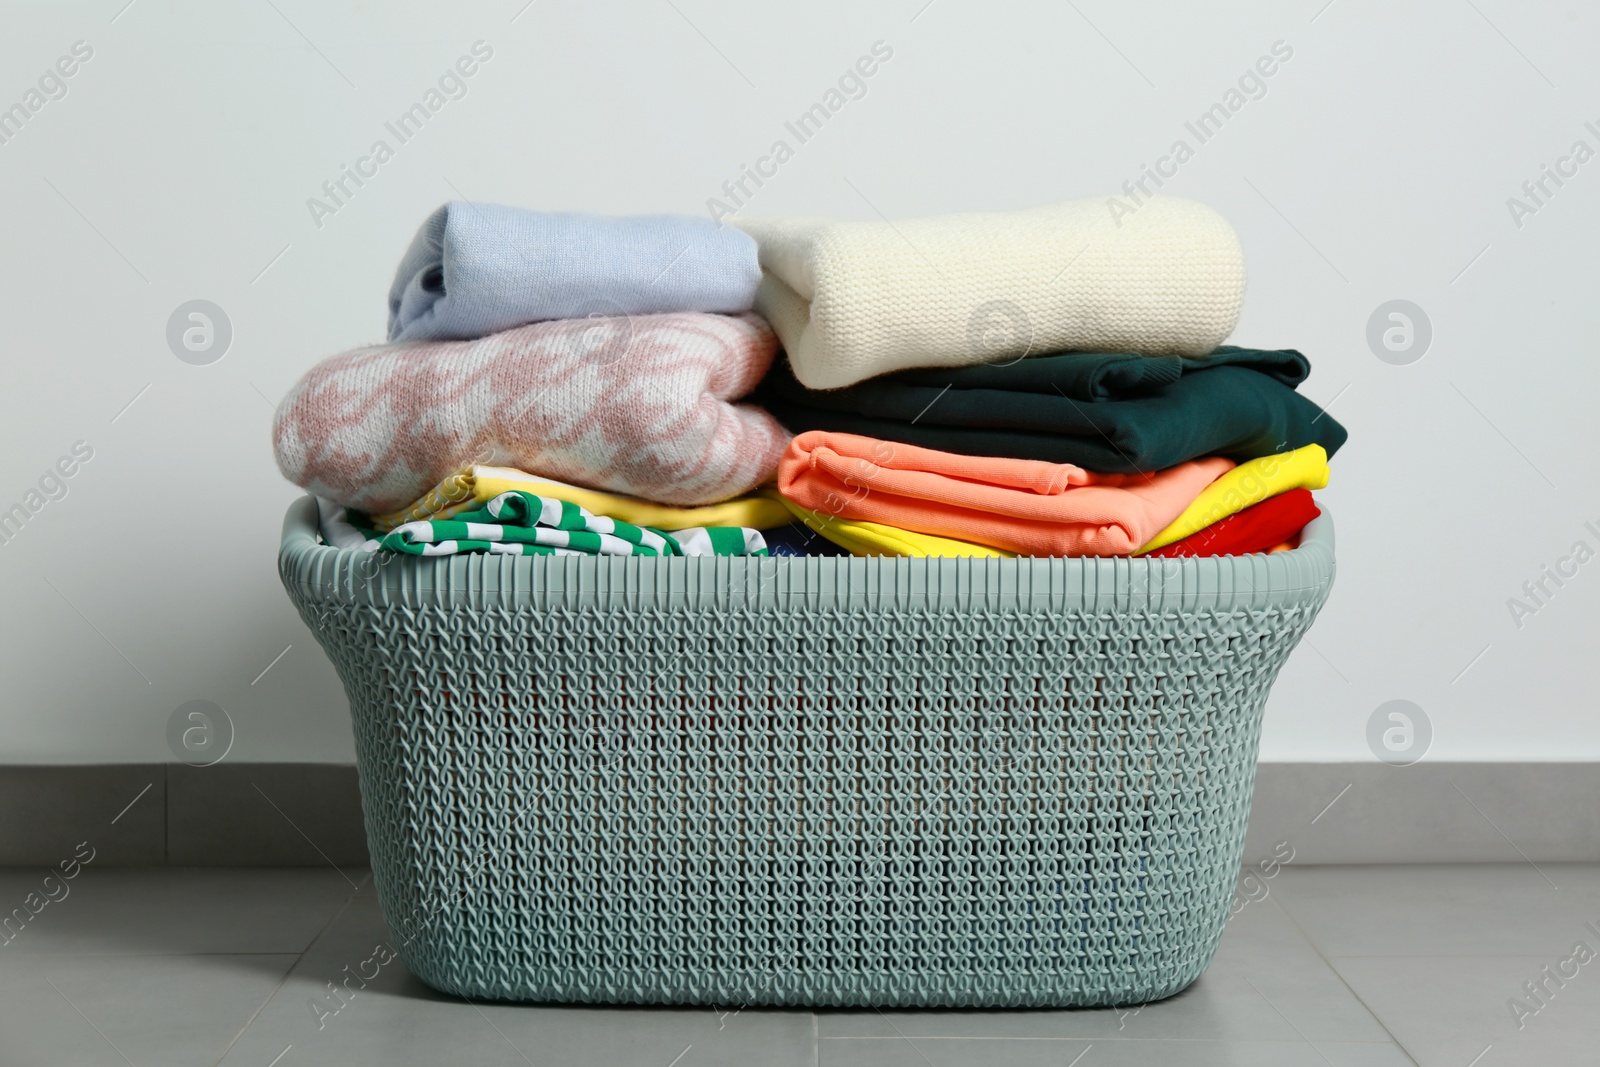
85, 1018
474, 1006
64, 955
1111, 1038
1327, 962
284, 977
293, 966
1437, 956
1307, 889
903, 1037
1301, 1034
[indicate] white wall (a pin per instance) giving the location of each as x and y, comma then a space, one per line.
1377, 166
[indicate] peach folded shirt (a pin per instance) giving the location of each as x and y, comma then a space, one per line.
1024, 506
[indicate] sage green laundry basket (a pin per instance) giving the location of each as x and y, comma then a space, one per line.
818, 781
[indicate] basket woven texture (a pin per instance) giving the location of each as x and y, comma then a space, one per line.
821, 781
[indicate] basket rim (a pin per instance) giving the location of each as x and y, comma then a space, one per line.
320, 573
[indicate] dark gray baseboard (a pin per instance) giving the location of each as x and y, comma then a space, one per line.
309, 814
229, 815
1427, 813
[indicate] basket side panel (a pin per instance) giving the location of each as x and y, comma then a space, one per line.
806, 806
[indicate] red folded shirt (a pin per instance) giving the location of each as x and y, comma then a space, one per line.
1255, 529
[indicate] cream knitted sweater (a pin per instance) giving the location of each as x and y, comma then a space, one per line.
853, 300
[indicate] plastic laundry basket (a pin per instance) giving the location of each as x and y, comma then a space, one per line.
821, 781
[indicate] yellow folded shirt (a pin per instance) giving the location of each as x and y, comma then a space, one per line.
1247, 484
473, 487
875, 539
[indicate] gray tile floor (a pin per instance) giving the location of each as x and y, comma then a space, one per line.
1333, 966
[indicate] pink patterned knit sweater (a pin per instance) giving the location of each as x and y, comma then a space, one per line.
637, 405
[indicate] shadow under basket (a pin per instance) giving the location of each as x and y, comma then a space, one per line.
806, 781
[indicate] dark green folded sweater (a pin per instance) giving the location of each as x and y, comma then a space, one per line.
1116, 413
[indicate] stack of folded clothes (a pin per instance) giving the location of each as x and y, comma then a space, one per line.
553, 384
1038, 383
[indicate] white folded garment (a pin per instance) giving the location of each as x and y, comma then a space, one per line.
852, 300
